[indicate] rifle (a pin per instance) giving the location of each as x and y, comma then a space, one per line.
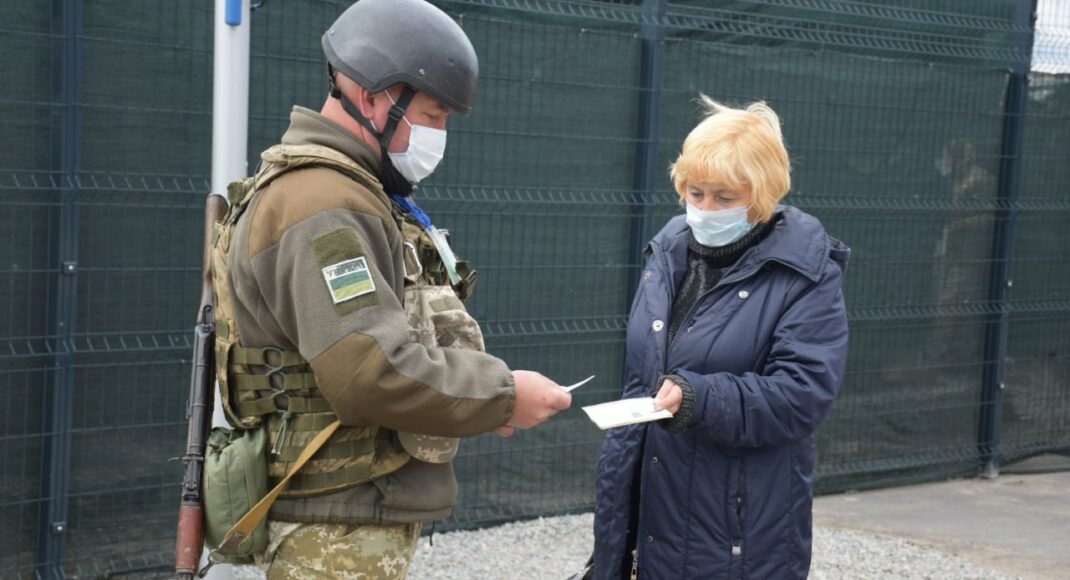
198, 409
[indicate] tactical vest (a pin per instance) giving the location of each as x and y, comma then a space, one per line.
273, 388
437, 318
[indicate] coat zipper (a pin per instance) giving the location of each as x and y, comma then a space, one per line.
662, 356
741, 482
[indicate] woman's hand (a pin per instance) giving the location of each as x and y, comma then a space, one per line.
669, 397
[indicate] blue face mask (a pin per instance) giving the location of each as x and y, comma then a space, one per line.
718, 228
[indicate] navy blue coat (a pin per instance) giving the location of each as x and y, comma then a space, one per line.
762, 354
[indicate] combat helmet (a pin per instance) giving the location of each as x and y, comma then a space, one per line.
378, 43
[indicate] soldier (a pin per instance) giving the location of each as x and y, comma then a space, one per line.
338, 299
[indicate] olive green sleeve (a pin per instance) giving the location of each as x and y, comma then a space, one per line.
332, 283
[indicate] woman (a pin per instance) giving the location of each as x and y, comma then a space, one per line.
739, 328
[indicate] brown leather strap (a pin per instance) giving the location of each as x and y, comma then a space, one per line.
245, 526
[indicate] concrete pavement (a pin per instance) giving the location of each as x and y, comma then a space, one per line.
1015, 524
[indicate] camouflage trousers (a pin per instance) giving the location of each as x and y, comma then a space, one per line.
341, 551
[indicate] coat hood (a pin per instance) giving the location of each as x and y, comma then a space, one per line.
797, 240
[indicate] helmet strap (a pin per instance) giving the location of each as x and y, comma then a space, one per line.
391, 178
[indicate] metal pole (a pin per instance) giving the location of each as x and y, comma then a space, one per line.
230, 94
230, 135
230, 107
1000, 277
647, 172
63, 287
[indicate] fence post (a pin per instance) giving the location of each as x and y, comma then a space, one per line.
1000, 276
651, 73
63, 289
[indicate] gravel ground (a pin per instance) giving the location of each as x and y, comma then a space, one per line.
850, 554
543, 548
555, 548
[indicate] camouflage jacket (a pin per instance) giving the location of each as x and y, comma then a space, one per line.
318, 265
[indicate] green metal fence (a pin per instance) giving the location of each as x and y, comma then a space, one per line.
918, 135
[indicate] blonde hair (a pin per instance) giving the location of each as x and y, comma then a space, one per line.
739, 148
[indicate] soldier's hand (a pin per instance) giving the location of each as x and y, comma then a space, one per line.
537, 399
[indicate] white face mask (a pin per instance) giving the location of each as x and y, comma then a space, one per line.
425, 150
718, 228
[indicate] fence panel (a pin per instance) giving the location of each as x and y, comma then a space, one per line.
1035, 416
894, 115
28, 195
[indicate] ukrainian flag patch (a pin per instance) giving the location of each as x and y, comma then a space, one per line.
349, 279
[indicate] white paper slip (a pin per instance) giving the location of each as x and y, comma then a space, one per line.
625, 412
569, 388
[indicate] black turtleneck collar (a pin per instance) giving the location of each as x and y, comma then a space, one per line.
722, 256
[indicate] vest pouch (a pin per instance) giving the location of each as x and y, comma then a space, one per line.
437, 318
235, 479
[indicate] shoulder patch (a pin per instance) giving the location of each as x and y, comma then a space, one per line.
348, 280
345, 270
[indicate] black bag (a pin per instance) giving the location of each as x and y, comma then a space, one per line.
587, 573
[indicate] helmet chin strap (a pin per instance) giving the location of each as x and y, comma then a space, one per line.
391, 178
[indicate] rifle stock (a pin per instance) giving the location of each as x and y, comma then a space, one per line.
190, 538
